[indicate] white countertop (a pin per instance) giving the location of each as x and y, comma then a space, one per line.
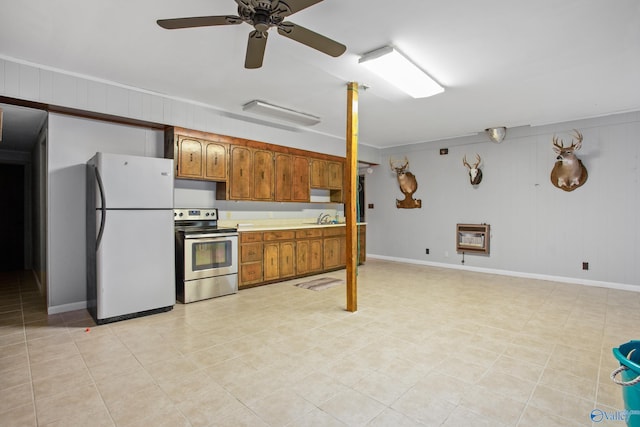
265, 225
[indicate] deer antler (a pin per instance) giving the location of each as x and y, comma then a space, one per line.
574, 144
464, 162
578, 143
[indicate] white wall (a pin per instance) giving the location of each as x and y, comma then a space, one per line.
536, 229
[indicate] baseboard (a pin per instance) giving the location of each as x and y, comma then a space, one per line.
56, 309
572, 280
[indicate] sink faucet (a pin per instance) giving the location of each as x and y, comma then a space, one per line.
322, 218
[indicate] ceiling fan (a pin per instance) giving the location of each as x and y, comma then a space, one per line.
262, 15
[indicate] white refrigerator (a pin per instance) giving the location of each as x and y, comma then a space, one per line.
130, 236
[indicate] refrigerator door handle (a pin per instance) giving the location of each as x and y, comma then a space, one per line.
103, 209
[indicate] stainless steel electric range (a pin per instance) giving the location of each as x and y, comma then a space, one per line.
206, 256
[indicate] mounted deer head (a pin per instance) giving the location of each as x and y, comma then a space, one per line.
475, 174
408, 184
568, 173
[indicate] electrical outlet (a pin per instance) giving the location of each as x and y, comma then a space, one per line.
585, 265
370, 205
427, 251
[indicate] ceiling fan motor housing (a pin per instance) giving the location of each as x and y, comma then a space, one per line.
263, 14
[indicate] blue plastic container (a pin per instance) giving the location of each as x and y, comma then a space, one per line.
629, 357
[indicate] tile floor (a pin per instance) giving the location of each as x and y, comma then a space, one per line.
428, 347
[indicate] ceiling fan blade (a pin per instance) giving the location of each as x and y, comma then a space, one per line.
198, 21
311, 39
255, 49
297, 5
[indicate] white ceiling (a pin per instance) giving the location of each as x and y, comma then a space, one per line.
502, 62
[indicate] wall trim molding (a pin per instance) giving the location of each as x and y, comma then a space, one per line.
561, 279
63, 308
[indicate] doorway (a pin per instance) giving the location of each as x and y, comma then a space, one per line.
12, 217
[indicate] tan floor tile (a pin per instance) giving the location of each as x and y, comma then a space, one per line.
492, 405
100, 418
564, 380
462, 416
560, 404
208, 409
114, 367
115, 388
19, 416
507, 385
66, 404
534, 417
148, 402
54, 367
342, 407
49, 386
16, 396
317, 388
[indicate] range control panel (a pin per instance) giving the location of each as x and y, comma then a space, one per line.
195, 214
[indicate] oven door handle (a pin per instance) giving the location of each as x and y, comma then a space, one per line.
209, 235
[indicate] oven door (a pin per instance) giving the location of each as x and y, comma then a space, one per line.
210, 255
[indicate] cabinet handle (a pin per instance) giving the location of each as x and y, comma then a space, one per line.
191, 157
215, 160
240, 171
262, 175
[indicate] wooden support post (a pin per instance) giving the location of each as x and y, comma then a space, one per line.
351, 195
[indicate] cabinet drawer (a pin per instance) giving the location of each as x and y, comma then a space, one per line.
308, 233
335, 231
251, 273
279, 235
250, 252
248, 237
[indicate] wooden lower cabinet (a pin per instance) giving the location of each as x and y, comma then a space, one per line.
308, 251
251, 258
271, 256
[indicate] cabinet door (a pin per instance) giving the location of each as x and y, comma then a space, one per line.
300, 180
331, 252
287, 259
283, 177
315, 255
335, 175
189, 158
319, 178
241, 185
302, 257
263, 175
271, 261
215, 161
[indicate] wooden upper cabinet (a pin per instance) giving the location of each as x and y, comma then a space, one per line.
292, 178
319, 177
251, 170
300, 179
335, 177
326, 174
215, 161
189, 163
241, 174
263, 175
284, 176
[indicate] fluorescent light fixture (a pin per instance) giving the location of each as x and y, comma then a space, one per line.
398, 70
281, 113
